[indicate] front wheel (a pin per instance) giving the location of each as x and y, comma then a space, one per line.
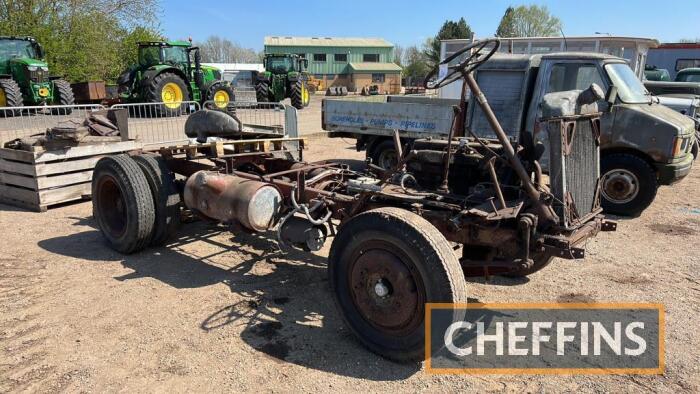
222, 96
384, 266
628, 184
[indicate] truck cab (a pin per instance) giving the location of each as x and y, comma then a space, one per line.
643, 144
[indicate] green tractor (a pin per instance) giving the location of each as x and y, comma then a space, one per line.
171, 73
284, 76
25, 80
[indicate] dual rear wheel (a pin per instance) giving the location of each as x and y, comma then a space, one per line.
135, 201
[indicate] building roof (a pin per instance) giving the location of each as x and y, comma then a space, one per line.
374, 67
327, 42
651, 41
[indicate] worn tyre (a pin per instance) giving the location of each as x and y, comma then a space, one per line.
628, 184
122, 204
10, 96
384, 265
169, 89
166, 199
62, 95
296, 95
384, 154
262, 92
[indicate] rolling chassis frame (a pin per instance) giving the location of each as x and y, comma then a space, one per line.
475, 227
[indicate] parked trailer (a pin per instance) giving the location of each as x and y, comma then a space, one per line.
394, 230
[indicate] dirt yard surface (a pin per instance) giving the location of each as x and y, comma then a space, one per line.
216, 311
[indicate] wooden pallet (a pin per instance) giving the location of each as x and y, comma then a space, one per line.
221, 148
36, 180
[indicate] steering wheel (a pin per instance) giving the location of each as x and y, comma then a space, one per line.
476, 58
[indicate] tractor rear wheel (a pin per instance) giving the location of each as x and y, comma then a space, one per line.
384, 266
222, 96
166, 198
297, 95
262, 92
122, 204
62, 95
10, 96
170, 90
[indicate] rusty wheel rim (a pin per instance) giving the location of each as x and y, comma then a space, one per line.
386, 289
112, 206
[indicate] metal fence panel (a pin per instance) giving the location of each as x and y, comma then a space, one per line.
148, 123
21, 122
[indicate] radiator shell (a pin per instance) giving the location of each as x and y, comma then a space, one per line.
574, 168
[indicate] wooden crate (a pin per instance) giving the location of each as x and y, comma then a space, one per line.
39, 179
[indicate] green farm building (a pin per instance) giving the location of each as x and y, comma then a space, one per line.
350, 62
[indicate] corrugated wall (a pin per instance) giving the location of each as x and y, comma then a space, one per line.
330, 66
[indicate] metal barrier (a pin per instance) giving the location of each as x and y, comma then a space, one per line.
158, 122
21, 122
245, 94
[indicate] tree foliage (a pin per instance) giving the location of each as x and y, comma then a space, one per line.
449, 30
529, 21
399, 54
507, 26
220, 50
416, 64
83, 39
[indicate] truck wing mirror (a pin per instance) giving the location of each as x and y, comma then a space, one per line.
611, 96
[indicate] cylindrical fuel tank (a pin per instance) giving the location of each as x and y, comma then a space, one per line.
253, 204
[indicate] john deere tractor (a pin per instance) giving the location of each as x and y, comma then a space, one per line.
24, 77
284, 76
171, 73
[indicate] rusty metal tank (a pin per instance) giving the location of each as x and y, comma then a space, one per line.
228, 198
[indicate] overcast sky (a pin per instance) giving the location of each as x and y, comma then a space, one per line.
407, 23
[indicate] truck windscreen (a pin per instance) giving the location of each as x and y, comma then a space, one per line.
629, 88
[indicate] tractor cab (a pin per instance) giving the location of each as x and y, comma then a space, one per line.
176, 53
283, 64
19, 47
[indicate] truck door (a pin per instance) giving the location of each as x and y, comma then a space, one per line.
562, 75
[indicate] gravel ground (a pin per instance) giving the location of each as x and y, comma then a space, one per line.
216, 311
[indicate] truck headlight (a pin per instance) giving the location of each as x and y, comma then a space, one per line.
44, 68
32, 68
679, 146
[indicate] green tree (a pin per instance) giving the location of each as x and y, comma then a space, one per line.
83, 39
449, 30
529, 21
507, 26
416, 65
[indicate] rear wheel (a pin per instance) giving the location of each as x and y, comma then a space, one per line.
166, 199
262, 92
170, 90
384, 265
10, 96
384, 155
297, 94
628, 184
63, 95
122, 203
